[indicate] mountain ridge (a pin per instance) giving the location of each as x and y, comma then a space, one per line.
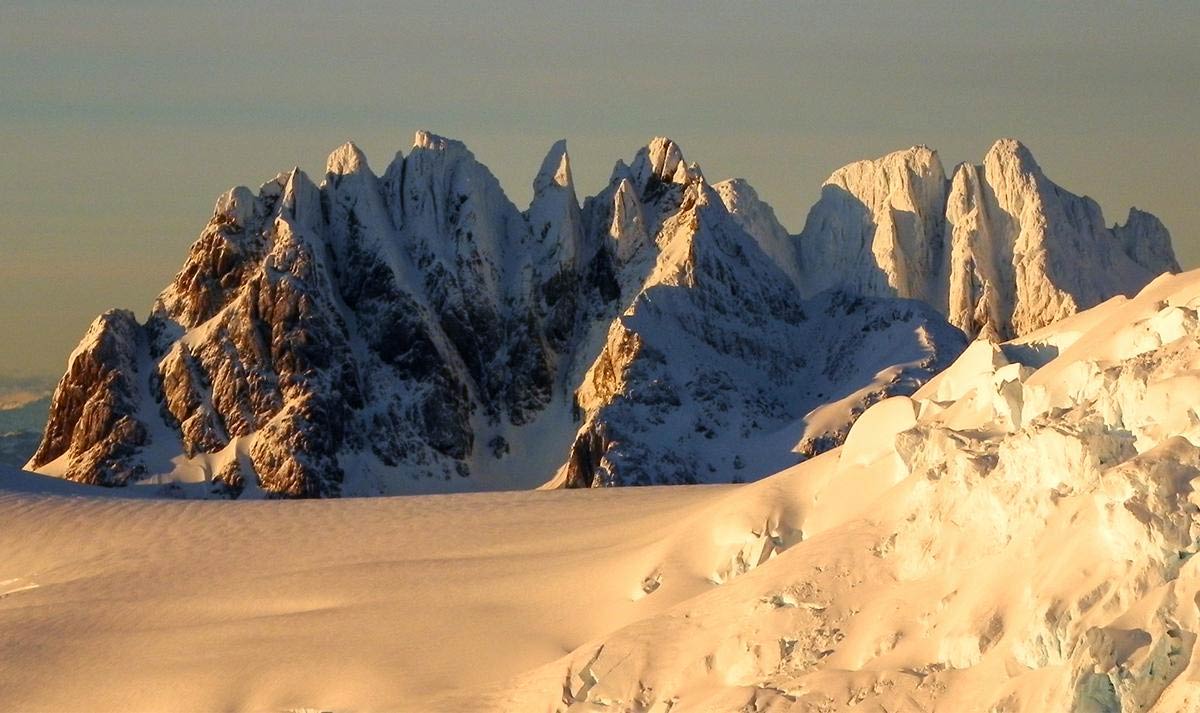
416, 330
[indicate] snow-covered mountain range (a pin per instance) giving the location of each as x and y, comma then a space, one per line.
414, 331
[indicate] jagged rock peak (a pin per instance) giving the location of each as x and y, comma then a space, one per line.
912, 179
431, 141
1000, 249
920, 159
757, 218
274, 187
556, 168
878, 228
1012, 152
1146, 241
301, 198
661, 160
415, 325
620, 173
1027, 252
93, 418
346, 159
238, 204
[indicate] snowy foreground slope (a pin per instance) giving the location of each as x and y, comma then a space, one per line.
1018, 536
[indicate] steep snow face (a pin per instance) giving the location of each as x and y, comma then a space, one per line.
1019, 535
574, 267
999, 249
554, 215
415, 332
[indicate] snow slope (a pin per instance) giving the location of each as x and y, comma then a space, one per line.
1017, 536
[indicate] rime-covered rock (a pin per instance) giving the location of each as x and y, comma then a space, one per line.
1000, 249
757, 218
1026, 252
878, 229
1146, 241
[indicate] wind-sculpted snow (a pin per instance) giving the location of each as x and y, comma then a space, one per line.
415, 332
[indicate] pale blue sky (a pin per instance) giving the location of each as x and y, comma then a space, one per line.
120, 123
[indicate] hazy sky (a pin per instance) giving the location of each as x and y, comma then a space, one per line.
120, 123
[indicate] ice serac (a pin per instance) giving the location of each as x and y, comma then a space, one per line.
1000, 249
1021, 534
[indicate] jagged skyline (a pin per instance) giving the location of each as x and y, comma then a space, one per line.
463, 337
118, 142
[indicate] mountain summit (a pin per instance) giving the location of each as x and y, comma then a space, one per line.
415, 331
999, 248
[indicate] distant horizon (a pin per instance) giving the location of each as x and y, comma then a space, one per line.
123, 122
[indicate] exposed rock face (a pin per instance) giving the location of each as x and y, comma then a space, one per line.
94, 424
999, 249
414, 331
378, 318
